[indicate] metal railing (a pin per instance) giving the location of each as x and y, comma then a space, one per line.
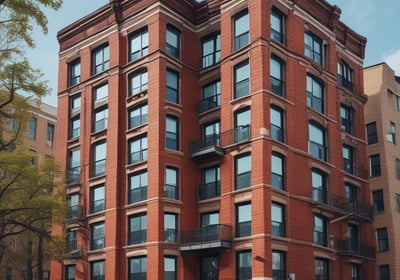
206, 234
355, 248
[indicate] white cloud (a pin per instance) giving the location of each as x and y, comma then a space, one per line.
393, 60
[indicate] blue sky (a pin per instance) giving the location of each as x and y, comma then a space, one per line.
376, 20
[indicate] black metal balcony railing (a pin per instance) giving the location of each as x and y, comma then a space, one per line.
137, 237
97, 206
212, 236
170, 235
71, 245
236, 135
73, 175
205, 146
243, 229
209, 190
209, 103
319, 195
351, 247
76, 212
171, 191
137, 194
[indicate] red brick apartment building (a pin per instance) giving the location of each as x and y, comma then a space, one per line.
214, 140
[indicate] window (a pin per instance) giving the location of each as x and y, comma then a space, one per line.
391, 136
377, 197
71, 240
351, 196
170, 268
353, 235
172, 38
243, 220
398, 202
97, 236
241, 30
277, 123
315, 94
209, 268
138, 116
209, 226
348, 159
73, 202
100, 119
355, 271
242, 171
211, 183
100, 93
138, 82
210, 134
75, 127
317, 143
243, 265
397, 169
172, 133
32, 128
321, 269
170, 227
211, 97
137, 268
50, 133
398, 103
137, 187
138, 149
384, 272
278, 265
75, 102
137, 229
375, 165
138, 44
74, 68
171, 182
211, 50
320, 231
382, 238
319, 186
345, 75
372, 134
313, 47
242, 124
242, 79
278, 171
69, 272
277, 26
277, 75
346, 116
101, 59
74, 165
99, 158
278, 219
172, 91
97, 270
97, 199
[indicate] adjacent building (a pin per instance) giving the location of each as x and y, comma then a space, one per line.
214, 140
382, 113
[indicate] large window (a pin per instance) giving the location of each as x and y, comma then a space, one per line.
172, 133
315, 94
391, 136
278, 265
171, 182
349, 159
345, 75
97, 270
97, 236
100, 93
242, 171
211, 183
278, 219
71, 240
377, 197
137, 268
241, 30
137, 187
100, 59
243, 265
211, 50
172, 90
138, 82
277, 75
321, 269
75, 127
74, 72
32, 128
317, 141
384, 272
346, 116
372, 133
277, 26
138, 116
319, 186
73, 205
170, 268
211, 96
74, 169
97, 199
375, 165
170, 227
138, 44
353, 235
383, 240
243, 219
172, 41
137, 229
138, 149
75, 102
277, 123
242, 79
100, 118
210, 134
242, 124
209, 268
320, 230
99, 158
69, 272
313, 48
278, 171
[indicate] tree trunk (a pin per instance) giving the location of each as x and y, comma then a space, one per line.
40, 258
29, 274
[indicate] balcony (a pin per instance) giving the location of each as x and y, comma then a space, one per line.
76, 214
209, 103
237, 135
351, 247
208, 237
206, 147
209, 190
